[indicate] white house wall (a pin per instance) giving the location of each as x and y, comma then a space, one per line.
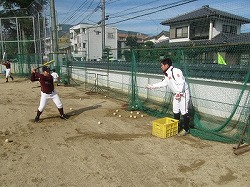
91, 37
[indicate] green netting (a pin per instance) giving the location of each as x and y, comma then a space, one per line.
219, 93
220, 101
22, 64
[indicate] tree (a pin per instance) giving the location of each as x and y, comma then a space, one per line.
21, 4
9, 25
107, 54
128, 55
131, 41
149, 44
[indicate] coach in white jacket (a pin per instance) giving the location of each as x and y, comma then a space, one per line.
175, 80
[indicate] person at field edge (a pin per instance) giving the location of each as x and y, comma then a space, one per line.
47, 92
174, 79
8, 70
55, 77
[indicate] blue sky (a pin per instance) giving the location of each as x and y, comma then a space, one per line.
141, 16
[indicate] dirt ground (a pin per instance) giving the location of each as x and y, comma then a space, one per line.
119, 152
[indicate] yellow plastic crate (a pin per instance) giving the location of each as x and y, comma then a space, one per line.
165, 127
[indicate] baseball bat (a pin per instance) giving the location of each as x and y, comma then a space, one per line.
46, 64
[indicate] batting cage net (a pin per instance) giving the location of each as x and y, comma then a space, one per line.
218, 78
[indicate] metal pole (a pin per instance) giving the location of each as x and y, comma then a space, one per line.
1, 36
39, 34
34, 33
103, 27
54, 31
18, 36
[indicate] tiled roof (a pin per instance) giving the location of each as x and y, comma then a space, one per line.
129, 32
205, 12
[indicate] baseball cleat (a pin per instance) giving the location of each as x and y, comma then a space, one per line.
36, 119
183, 133
64, 117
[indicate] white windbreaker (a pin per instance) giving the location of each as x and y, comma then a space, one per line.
174, 80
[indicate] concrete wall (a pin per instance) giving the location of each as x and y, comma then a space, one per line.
217, 98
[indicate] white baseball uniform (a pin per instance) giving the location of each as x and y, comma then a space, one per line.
175, 80
55, 76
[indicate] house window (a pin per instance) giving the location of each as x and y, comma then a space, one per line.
84, 30
229, 29
83, 45
97, 32
182, 32
111, 35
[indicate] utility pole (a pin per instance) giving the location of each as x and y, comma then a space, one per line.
103, 27
54, 31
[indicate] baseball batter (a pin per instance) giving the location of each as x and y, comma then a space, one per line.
175, 80
47, 92
8, 70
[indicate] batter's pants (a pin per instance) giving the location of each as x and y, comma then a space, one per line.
45, 99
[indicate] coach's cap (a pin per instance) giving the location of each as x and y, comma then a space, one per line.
46, 68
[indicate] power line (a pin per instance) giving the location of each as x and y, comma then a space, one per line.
75, 12
129, 9
90, 14
70, 9
179, 3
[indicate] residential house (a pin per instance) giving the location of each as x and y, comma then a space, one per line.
86, 41
208, 26
161, 37
64, 38
121, 40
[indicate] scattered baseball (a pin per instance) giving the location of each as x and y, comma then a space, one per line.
7, 140
105, 96
137, 112
120, 116
130, 116
117, 110
142, 115
114, 113
131, 112
80, 98
70, 108
99, 122
134, 116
